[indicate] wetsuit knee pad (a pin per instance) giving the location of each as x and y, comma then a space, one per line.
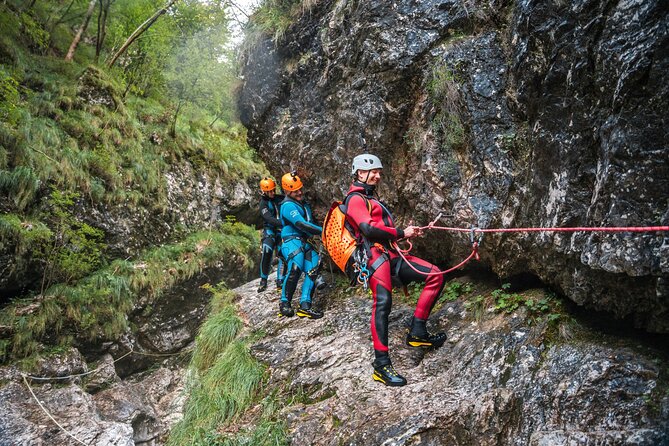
294, 274
383, 299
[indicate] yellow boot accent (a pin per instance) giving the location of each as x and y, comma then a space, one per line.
377, 377
420, 344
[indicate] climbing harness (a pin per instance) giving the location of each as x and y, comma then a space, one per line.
360, 270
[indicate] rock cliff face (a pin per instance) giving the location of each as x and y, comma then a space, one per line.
496, 113
499, 380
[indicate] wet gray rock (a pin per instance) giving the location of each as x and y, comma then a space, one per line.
61, 364
104, 376
22, 422
150, 405
194, 200
126, 414
506, 380
169, 324
498, 114
94, 89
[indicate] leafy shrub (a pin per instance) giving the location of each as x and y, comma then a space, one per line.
76, 248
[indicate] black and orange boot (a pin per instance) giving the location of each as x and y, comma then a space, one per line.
263, 285
386, 374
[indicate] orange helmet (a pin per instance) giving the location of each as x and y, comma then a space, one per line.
291, 182
267, 184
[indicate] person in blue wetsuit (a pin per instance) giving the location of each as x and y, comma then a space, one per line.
298, 227
270, 202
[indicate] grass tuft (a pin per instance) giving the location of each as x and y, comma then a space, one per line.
225, 377
215, 335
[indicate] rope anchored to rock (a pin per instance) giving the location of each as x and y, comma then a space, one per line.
476, 237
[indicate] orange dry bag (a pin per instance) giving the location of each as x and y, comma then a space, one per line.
337, 235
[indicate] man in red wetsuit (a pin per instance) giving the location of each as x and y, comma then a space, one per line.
373, 224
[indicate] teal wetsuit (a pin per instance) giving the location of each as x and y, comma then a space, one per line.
300, 255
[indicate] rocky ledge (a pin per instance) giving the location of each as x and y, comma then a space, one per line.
504, 380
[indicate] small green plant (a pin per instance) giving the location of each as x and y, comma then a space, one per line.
539, 305
454, 290
414, 138
505, 301
20, 184
440, 82
76, 247
413, 289
450, 127
38, 38
9, 97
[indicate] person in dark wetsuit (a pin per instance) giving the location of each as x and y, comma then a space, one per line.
373, 224
298, 227
270, 202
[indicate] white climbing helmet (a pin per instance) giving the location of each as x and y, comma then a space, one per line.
366, 161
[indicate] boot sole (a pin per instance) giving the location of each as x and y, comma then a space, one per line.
425, 344
379, 378
420, 344
307, 315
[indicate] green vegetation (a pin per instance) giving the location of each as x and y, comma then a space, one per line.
443, 89
445, 128
225, 381
541, 305
441, 82
105, 132
452, 291
273, 18
518, 145
95, 308
449, 126
78, 135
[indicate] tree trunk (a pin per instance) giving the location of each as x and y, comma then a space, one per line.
102, 27
80, 33
140, 30
173, 128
